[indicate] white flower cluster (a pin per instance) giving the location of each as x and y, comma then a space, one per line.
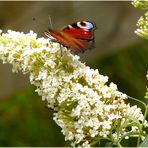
143, 4
142, 23
85, 107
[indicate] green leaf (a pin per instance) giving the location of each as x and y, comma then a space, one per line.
144, 143
109, 144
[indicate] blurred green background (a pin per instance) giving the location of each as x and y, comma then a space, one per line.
25, 119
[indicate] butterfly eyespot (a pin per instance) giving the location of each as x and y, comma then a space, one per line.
85, 25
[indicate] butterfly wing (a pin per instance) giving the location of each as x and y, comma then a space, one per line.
78, 36
66, 40
81, 30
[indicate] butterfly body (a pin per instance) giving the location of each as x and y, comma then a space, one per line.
78, 36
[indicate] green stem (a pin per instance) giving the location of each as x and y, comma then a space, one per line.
138, 101
119, 145
132, 134
145, 115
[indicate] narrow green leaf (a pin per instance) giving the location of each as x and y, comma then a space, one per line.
109, 144
144, 143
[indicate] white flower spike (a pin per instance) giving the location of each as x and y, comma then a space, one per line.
85, 107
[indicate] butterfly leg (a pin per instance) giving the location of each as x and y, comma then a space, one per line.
47, 44
61, 50
51, 44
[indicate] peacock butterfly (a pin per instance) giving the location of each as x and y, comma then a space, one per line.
78, 36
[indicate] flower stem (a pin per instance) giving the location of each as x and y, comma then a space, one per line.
145, 115
119, 145
138, 101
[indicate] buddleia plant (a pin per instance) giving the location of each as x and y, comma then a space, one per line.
142, 23
142, 31
88, 108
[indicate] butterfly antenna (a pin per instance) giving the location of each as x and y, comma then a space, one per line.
50, 22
